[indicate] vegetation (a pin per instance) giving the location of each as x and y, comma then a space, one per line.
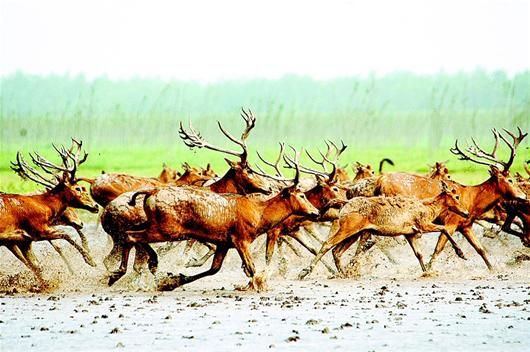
131, 126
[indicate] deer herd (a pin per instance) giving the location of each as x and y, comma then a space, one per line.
232, 210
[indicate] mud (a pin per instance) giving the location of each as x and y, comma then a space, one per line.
388, 306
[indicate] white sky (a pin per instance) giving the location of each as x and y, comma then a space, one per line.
230, 39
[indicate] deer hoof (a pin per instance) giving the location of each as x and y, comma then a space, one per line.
115, 276
171, 282
303, 274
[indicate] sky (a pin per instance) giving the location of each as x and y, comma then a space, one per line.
237, 39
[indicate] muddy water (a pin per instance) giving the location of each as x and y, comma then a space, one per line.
389, 307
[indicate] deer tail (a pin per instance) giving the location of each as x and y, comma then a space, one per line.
147, 193
385, 160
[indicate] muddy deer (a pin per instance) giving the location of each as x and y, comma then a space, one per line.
327, 188
388, 216
28, 218
107, 187
119, 216
227, 220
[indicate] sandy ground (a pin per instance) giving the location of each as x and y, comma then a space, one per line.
389, 307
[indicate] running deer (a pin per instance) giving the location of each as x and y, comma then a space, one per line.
227, 220
481, 198
119, 216
388, 216
28, 218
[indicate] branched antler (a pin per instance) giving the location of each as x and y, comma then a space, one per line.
193, 138
71, 159
275, 164
490, 159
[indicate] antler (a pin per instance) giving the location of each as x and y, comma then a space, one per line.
193, 139
275, 164
526, 168
27, 172
280, 177
325, 158
490, 159
71, 160
513, 146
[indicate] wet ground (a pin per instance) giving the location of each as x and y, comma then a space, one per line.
391, 306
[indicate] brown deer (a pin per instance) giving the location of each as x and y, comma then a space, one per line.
326, 189
227, 220
119, 216
481, 198
388, 216
28, 218
107, 187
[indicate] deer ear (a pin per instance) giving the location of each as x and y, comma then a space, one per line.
446, 171
494, 171
231, 163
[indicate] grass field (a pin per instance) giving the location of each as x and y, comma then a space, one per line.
131, 126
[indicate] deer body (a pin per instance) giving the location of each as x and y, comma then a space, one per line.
386, 216
229, 221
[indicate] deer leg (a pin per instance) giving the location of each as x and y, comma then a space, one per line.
339, 250
338, 234
310, 229
366, 242
440, 228
152, 257
116, 275
257, 282
63, 257
174, 281
411, 239
112, 259
31, 265
193, 262
301, 239
141, 257
472, 239
272, 237
52, 234
84, 240
442, 241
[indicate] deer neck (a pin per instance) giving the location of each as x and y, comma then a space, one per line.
274, 211
314, 196
481, 198
54, 200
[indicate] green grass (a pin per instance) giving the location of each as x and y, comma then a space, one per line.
148, 162
132, 126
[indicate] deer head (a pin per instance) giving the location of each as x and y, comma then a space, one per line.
499, 170
63, 180
245, 179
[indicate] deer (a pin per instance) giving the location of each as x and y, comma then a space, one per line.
28, 218
481, 198
327, 188
119, 216
388, 216
227, 220
106, 187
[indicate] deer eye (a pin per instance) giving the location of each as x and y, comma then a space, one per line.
510, 180
457, 197
335, 189
302, 195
